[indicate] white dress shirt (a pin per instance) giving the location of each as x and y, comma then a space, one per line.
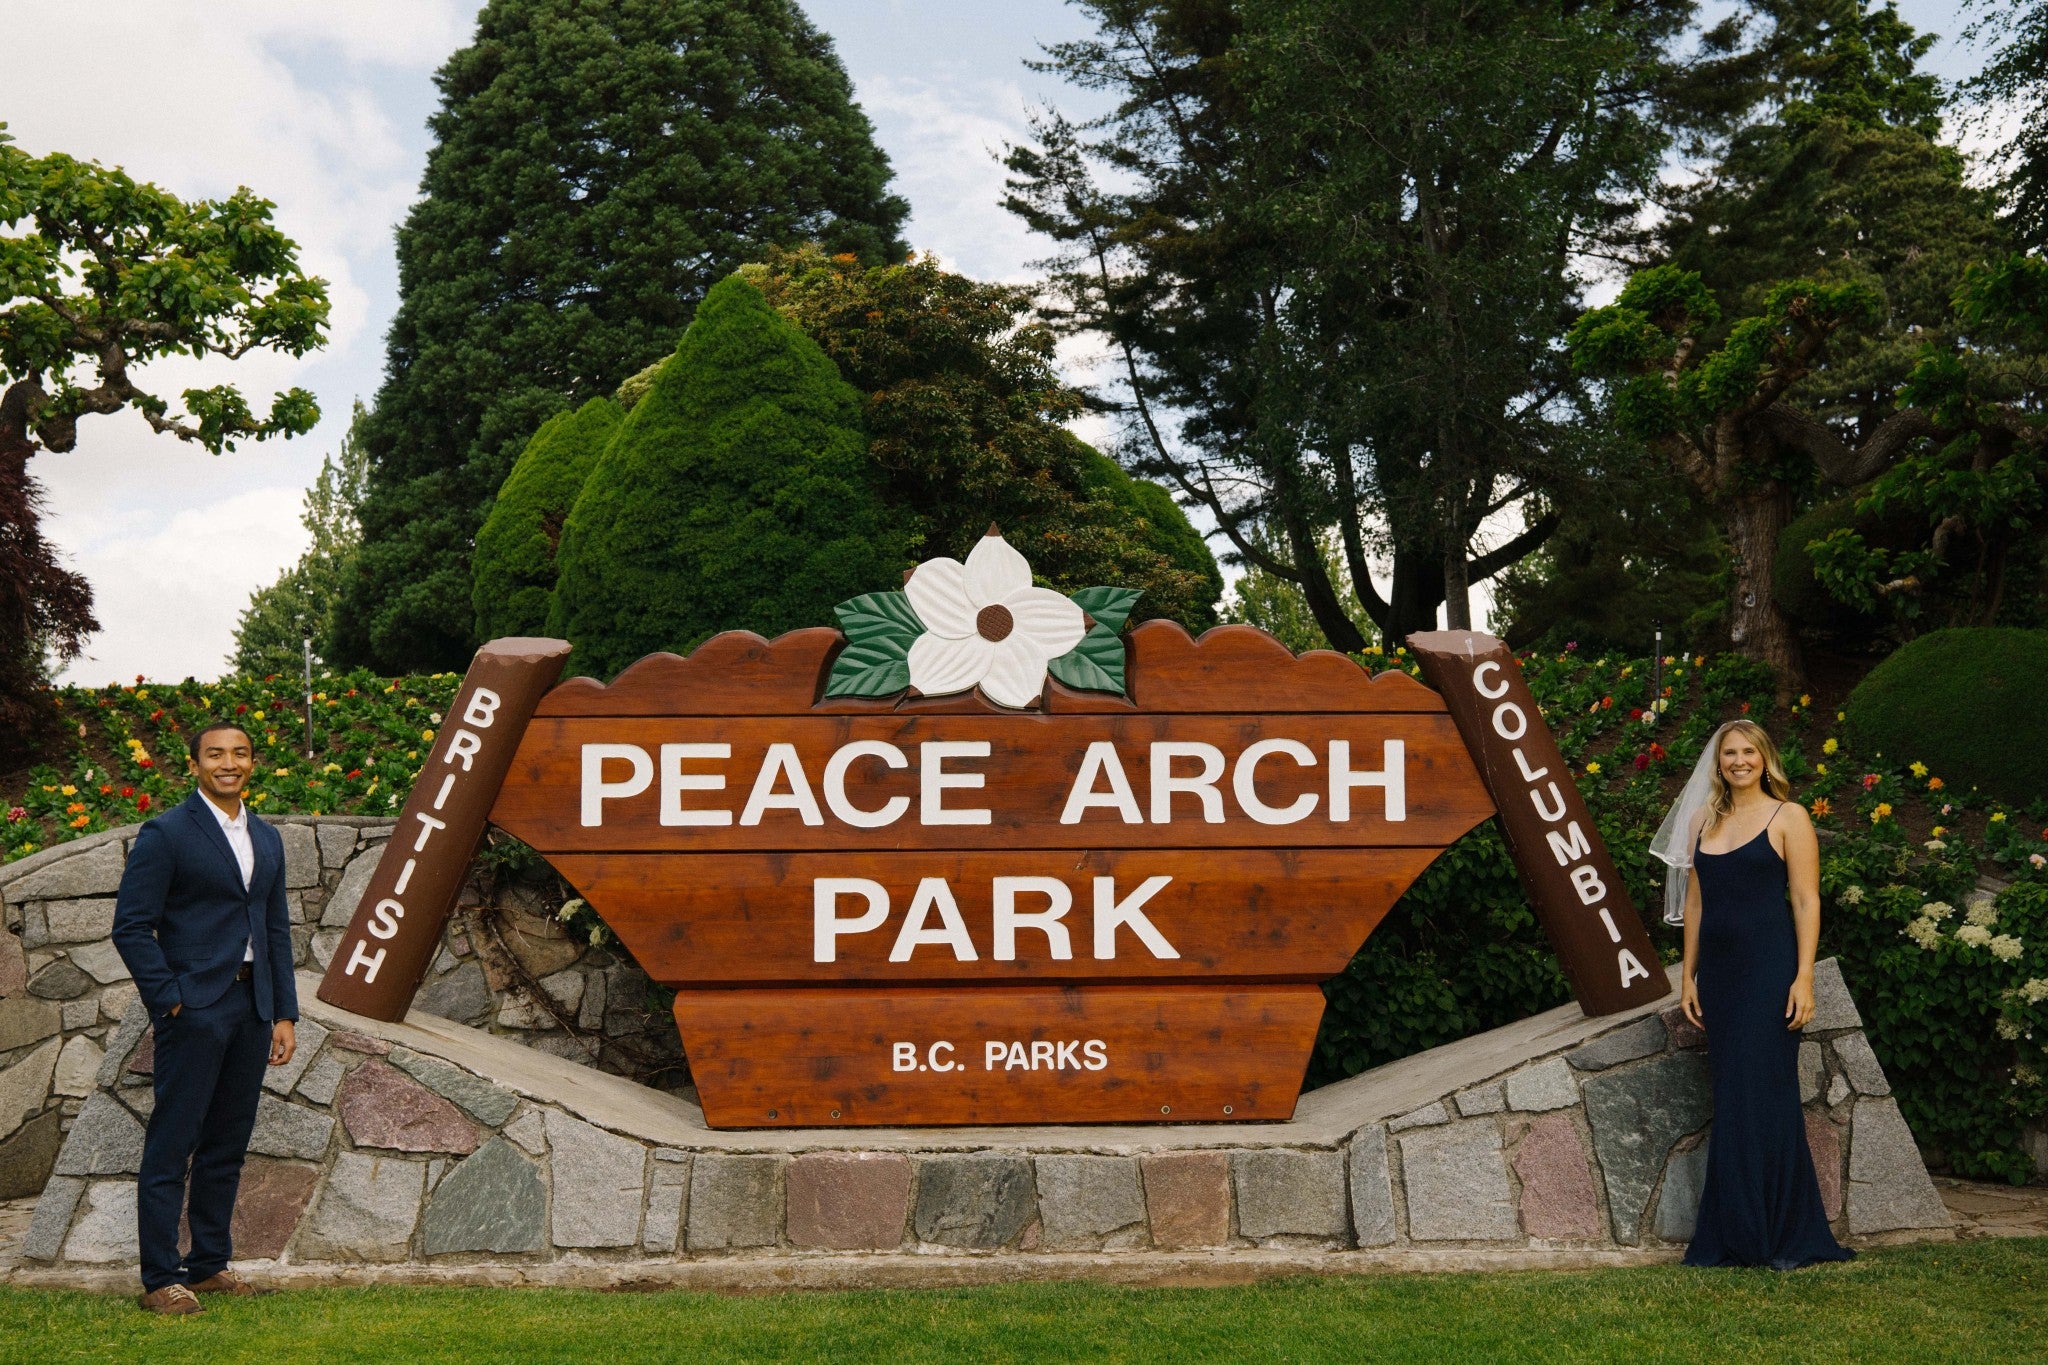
237, 831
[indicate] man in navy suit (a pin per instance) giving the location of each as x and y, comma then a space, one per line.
202, 924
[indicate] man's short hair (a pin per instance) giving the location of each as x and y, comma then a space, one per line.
199, 735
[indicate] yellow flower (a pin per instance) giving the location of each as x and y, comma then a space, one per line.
392, 688
1593, 769
412, 753
1939, 830
282, 772
1821, 768
427, 735
68, 790
1841, 715
1805, 700
1917, 769
1997, 816
1884, 809
206, 701
257, 716
1831, 745
331, 768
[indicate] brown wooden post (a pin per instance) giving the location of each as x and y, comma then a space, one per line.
381, 959
1565, 868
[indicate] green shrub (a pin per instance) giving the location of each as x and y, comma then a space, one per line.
513, 568
1163, 529
1962, 702
736, 495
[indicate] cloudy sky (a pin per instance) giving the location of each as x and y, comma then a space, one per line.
321, 108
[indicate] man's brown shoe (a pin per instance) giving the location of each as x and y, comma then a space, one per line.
228, 1282
173, 1300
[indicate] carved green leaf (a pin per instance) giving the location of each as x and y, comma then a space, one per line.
1097, 663
878, 666
1109, 606
879, 613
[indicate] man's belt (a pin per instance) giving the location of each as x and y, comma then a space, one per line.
245, 972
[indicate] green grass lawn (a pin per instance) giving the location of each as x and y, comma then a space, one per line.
1984, 1300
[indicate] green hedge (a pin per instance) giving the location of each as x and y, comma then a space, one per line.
513, 568
1962, 701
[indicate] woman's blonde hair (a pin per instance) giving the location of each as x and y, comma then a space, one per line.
1773, 781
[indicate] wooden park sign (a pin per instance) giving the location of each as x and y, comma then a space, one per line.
986, 857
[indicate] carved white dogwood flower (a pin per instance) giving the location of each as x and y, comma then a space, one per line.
985, 625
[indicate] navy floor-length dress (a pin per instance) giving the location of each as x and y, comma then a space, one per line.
1761, 1203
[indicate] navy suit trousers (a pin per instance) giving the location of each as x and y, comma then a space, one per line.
209, 1075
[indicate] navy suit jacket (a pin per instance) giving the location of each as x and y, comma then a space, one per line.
183, 916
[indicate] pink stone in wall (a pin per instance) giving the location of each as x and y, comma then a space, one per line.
143, 1063
1557, 1181
1684, 1033
1187, 1198
1825, 1141
383, 1107
849, 1201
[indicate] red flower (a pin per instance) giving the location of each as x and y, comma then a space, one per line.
127, 791
1745, 708
15, 815
1635, 713
355, 772
1606, 702
1642, 762
240, 707
1870, 780
106, 788
147, 763
157, 714
142, 801
1656, 750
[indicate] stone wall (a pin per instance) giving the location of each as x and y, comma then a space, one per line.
429, 1144
506, 966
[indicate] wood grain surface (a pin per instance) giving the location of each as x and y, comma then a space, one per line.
749, 919
826, 1058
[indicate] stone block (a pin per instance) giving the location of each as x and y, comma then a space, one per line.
542, 946
1640, 1039
590, 1014
79, 921
1888, 1184
301, 855
1087, 1203
143, 1062
104, 1232
308, 1034
323, 945
322, 1079
368, 1208
600, 1184
735, 1201
484, 1102
1428, 1114
492, 1201
1187, 1198
463, 995
95, 872
100, 961
351, 1041
1833, 1008
1824, 1140
848, 1201
383, 1107
25, 1085
348, 892
52, 1218
1457, 1182
1678, 1206
133, 1028
28, 1157
268, 1205
1372, 1187
1282, 1192
1558, 1199
529, 1131
1638, 1114
115, 1000
290, 1130
1859, 1064
105, 1139
1812, 1071
80, 1014
1684, 1032
336, 843
1484, 1099
24, 1020
668, 1192
1543, 1087
60, 981
34, 931
77, 1065
13, 964
979, 1200
1838, 1090
139, 1098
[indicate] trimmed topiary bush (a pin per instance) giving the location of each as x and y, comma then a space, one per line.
513, 568
736, 495
1963, 702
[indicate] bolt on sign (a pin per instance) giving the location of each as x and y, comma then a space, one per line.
982, 855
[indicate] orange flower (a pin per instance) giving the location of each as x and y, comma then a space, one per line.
1821, 809
74, 808
79, 823
1934, 784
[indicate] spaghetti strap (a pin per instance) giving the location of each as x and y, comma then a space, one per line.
1774, 815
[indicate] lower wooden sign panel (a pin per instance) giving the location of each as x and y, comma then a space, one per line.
813, 1058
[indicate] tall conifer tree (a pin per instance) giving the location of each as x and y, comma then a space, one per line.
599, 164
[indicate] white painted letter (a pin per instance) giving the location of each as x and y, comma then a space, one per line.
596, 791
781, 758
1569, 846
1008, 919
1101, 759
1501, 714
933, 894
1244, 782
1480, 687
1536, 800
1202, 787
826, 926
1110, 914
463, 745
482, 708
1630, 968
1587, 883
835, 784
674, 782
1393, 778
933, 779
388, 913
359, 958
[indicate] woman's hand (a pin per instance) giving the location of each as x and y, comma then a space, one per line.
1689, 1001
1799, 1004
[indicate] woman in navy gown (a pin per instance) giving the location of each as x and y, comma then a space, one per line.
1752, 922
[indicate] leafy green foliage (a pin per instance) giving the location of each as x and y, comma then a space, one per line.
514, 565
965, 415
1096, 664
880, 628
271, 635
736, 495
2015, 82
1966, 702
598, 165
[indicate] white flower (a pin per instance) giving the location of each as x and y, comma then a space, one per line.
1924, 932
1852, 895
986, 626
2008, 1029
2006, 948
1982, 913
1976, 935
2036, 990
1937, 910
1934, 846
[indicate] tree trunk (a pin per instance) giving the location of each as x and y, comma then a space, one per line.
45, 609
1417, 589
1457, 578
1761, 631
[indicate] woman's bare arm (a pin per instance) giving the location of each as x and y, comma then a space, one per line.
1801, 850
